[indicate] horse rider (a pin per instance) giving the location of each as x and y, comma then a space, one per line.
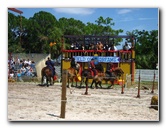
50, 64
92, 66
111, 69
73, 64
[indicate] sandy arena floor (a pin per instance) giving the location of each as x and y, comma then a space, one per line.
29, 102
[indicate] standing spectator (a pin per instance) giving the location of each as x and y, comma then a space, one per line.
72, 47
126, 46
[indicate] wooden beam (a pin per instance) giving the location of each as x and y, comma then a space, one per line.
90, 36
15, 10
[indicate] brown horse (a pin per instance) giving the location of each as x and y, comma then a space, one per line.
117, 73
86, 74
73, 74
47, 72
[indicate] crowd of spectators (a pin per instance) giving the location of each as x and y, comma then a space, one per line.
21, 67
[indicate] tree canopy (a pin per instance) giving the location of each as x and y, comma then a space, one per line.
146, 48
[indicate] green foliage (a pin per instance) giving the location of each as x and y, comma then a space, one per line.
146, 48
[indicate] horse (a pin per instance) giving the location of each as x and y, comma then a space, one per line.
101, 76
117, 73
86, 74
47, 72
73, 74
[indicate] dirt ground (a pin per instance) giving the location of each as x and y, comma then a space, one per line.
29, 102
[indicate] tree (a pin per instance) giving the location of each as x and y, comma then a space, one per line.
71, 26
103, 28
55, 37
146, 48
14, 44
40, 27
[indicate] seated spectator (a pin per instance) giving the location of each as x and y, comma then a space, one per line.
13, 65
19, 76
11, 74
29, 62
33, 65
23, 70
28, 70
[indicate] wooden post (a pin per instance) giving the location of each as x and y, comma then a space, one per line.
132, 61
63, 96
122, 92
153, 83
86, 91
138, 95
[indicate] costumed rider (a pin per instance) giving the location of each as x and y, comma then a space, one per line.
96, 62
50, 64
110, 69
73, 64
92, 66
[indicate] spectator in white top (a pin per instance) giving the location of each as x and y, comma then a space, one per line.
23, 70
28, 70
29, 62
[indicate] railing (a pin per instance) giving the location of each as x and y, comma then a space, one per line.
120, 53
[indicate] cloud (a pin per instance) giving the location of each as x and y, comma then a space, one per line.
77, 11
146, 18
125, 19
124, 11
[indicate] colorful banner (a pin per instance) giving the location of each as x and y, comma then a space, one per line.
104, 59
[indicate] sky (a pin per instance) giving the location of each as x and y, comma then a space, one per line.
127, 19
